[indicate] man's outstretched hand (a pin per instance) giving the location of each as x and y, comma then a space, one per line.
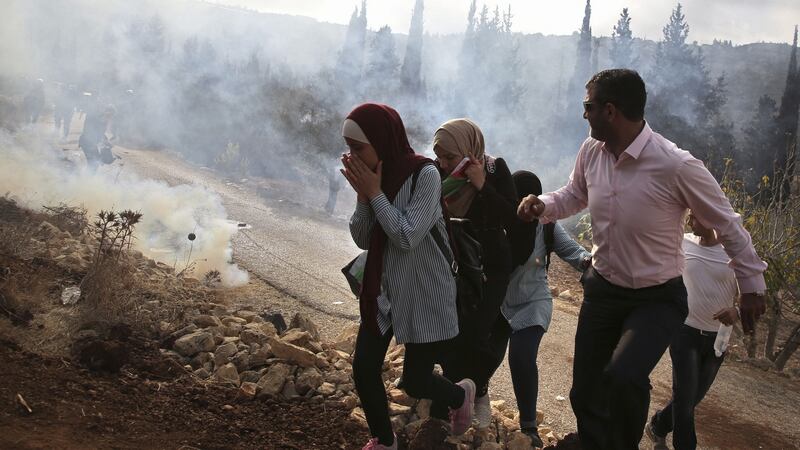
530, 208
751, 307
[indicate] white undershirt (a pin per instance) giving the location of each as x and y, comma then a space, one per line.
710, 282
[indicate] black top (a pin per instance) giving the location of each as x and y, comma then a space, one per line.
493, 211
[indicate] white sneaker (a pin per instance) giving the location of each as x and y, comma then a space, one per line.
483, 411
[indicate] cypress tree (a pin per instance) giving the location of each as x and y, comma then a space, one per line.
410, 76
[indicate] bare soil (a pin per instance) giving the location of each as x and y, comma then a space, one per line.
151, 405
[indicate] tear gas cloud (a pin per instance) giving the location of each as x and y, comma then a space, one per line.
258, 94
34, 176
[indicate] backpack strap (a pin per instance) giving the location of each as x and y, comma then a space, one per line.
435, 233
549, 242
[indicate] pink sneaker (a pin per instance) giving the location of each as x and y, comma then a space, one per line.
461, 418
373, 444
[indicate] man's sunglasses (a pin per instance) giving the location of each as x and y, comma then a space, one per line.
589, 106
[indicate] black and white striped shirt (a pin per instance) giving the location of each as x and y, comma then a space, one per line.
418, 290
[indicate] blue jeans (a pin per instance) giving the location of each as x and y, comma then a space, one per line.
694, 368
522, 352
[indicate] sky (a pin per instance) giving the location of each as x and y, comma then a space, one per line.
741, 21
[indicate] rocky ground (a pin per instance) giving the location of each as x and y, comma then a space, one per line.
209, 393
194, 369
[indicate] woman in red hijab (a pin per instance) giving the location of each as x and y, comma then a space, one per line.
408, 290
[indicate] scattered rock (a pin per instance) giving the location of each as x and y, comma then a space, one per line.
396, 409
241, 360
228, 320
289, 390
70, 295
308, 379
275, 319
423, 408
249, 336
293, 353
232, 329
326, 389
194, 343
272, 382
227, 374
205, 321
223, 353
246, 315
431, 434
519, 441
357, 414
169, 341
259, 357
202, 373
201, 359
301, 338
248, 390
346, 341
300, 321
567, 295
400, 397
250, 376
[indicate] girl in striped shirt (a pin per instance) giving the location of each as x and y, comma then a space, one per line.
408, 290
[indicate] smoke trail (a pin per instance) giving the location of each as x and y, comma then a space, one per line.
33, 174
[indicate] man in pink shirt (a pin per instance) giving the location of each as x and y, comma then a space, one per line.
638, 187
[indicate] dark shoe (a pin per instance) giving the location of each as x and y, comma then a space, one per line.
533, 433
659, 442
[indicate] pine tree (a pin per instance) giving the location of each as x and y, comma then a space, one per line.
789, 112
583, 61
622, 42
684, 102
410, 76
382, 66
761, 135
507, 17
351, 58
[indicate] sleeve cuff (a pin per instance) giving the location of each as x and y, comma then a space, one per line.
548, 201
379, 203
362, 209
755, 283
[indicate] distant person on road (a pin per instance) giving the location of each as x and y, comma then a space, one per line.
64, 108
712, 291
488, 200
33, 102
93, 140
408, 290
334, 185
528, 305
638, 186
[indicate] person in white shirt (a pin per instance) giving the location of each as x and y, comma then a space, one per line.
712, 289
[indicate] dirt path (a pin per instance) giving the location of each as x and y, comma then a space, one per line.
299, 251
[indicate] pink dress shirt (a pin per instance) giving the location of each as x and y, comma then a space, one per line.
638, 205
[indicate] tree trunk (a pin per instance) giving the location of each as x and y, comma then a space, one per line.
774, 302
788, 349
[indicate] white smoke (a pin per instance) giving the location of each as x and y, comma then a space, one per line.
35, 175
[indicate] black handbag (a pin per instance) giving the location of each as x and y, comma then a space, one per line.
465, 263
